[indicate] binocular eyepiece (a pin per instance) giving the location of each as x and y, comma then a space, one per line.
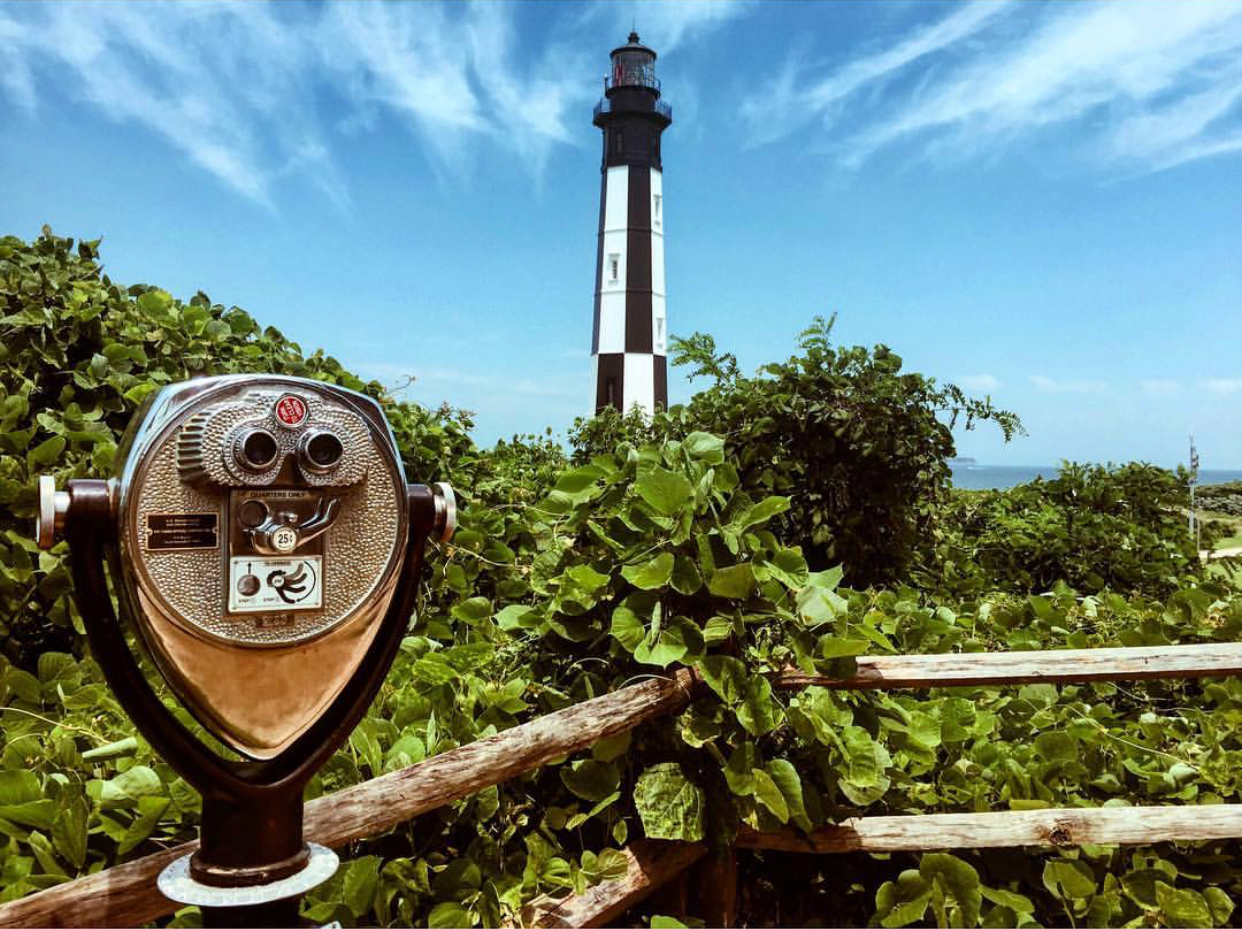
255, 450
318, 451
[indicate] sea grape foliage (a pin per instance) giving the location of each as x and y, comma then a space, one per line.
721, 536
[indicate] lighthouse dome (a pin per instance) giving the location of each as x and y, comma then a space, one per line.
633, 65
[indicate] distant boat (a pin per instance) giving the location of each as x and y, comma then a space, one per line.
963, 462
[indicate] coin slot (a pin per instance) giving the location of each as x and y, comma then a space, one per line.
252, 513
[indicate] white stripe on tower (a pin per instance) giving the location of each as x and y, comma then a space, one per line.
611, 283
640, 380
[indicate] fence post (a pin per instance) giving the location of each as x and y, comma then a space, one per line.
714, 882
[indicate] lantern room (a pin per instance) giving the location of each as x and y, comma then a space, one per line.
633, 65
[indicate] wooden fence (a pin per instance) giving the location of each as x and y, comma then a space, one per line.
126, 894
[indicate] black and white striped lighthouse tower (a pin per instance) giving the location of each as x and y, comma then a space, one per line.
628, 340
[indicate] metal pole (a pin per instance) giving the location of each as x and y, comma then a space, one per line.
1194, 478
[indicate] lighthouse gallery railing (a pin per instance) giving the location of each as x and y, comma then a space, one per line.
605, 106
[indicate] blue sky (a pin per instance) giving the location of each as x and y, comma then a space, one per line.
1042, 202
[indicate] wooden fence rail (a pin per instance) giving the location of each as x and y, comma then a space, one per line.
1056, 666
1063, 828
126, 894
651, 863
652, 867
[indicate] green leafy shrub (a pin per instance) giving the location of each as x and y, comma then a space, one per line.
78, 353
1220, 498
1092, 526
859, 447
660, 547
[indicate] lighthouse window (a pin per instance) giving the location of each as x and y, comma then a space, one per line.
614, 267
620, 137
656, 212
660, 333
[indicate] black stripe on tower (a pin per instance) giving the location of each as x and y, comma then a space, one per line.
610, 381
638, 262
661, 382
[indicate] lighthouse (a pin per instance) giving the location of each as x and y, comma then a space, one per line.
630, 330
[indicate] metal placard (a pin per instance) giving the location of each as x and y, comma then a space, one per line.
269, 585
171, 532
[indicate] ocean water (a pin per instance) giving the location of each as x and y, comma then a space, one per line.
999, 477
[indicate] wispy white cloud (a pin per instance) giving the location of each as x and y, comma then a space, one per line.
1160, 386
783, 103
984, 382
221, 83
1223, 385
666, 25
238, 88
663, 26
1050, 385
15, 73
1150, 85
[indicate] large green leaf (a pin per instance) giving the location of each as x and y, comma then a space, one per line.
759, 713
706, 446
628, 627
903, 902
1056, 746
686, 578
665, 491
677, 639
789, 567
769, 794
361, 883
587, 578
578, 481
38, 814
150, 809
860, 750
959, 879
473, 611
69, 835
670, 805
590, 779
760, 513
21, 786
785, 776
46, 452
449, 916
736, 582
1183, 907
726, 676
1071, 879
650, 574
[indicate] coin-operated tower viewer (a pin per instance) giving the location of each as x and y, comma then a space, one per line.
630, 332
